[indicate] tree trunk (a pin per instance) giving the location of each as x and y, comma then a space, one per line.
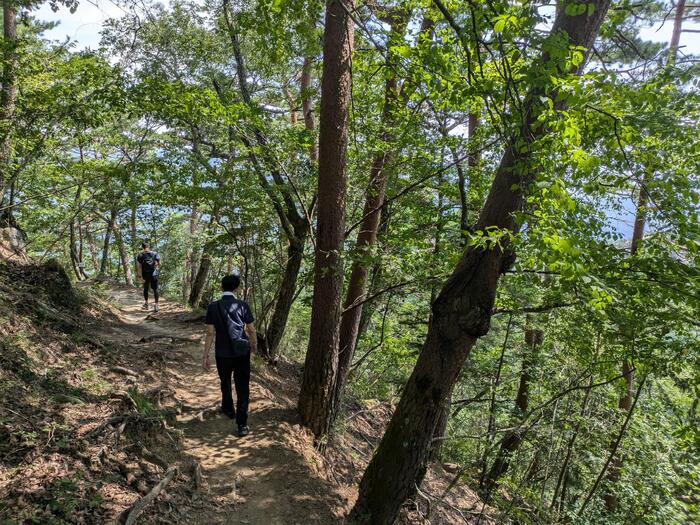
285, 296
92, 247
123, 254
104, 264
134, 238
444, 417
74, 257
461, 313
307, 107
8, 97
200, 279
369, 228
316, 396
473, 157
677, 29
191, 268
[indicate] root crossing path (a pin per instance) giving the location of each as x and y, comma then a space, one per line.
272, 476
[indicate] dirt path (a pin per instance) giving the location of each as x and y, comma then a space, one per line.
267, 478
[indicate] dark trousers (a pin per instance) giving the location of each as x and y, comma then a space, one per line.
240, 368
150, 280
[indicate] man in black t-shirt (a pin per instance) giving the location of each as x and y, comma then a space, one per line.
148, 268
230, 325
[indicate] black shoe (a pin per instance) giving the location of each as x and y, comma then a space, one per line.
229, 413
243, 430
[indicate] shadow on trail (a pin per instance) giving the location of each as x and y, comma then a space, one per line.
261, 476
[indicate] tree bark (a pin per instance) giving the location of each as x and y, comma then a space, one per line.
461, 313
200, 279
8, 97
75, 259
307, 107
134, 238
369, 229
104, 264
123, 254
285, 295
316, 396
191, 268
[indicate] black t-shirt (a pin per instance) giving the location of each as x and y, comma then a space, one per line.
239, 315
148, 260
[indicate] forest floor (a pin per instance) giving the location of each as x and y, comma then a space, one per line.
102, 400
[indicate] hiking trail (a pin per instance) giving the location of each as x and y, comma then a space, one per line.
269, 477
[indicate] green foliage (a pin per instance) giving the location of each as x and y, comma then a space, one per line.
154, 127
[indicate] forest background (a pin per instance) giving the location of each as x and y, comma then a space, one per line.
196, 126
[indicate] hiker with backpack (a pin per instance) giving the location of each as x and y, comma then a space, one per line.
148, 268
230, 326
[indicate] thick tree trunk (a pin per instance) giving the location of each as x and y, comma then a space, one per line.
369, 228
8, 97
123, 254
104, 264
285, 296
461, 314
316, 397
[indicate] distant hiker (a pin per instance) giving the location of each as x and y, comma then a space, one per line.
230, 322
148, 268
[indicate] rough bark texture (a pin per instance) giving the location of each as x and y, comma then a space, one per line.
75, 256
104, 264
307, 106
8, 96
200, 279
367, 235
316, 397
461, 314
285, 295
123, 254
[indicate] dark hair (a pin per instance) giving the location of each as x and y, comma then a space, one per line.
230, 283
145, 244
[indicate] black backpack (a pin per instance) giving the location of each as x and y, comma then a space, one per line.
148, 262
239, 347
